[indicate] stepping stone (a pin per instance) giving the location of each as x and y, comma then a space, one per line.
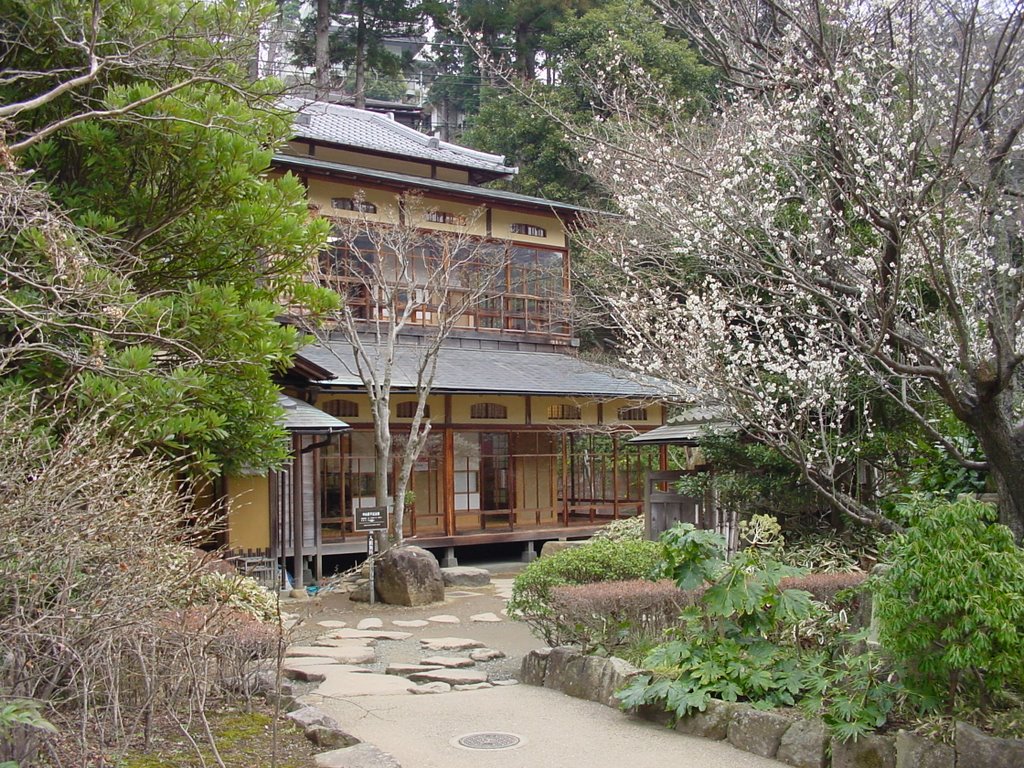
344, 684
430, 688
317, 673
371, 634
357, 756
414, 624
448, 662
293, 662
444, 618
472, 687
485, 617
289, 624
308, 716
350, 655
510, 681
464, 576
450, 676
370, 624
447, 644
331, 624
326, 641
408, 669
486, 654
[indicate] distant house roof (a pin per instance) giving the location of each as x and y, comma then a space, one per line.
303, 417
688, 428
349, 127
511, 372
401, 181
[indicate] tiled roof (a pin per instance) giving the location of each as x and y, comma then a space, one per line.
489, 371
303, 417
388, 177
351, 127
688, 427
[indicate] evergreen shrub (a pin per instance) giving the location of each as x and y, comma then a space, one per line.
951, 603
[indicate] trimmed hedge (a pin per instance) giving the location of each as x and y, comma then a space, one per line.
597, 561
610, 614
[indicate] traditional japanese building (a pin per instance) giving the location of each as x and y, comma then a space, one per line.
528, 440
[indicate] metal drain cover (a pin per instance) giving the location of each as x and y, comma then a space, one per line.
489, 740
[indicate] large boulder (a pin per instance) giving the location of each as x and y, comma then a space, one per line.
409, 576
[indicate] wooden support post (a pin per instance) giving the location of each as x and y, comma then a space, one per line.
318, 513
565, 481
274, 552
448, 471
615, 477
297, 526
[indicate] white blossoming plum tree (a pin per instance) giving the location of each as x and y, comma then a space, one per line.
843, 226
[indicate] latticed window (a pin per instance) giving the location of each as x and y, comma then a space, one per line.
633, 413
342, 408
352, 204
408, 410
488, 411
565, 412
527, 229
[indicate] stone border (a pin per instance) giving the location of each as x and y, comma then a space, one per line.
340, 748
788, 738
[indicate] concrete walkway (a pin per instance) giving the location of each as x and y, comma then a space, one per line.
558, 731
422, 731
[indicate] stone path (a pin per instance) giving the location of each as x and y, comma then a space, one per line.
429, 682
344, 660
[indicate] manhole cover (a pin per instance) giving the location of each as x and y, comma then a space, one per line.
491, 740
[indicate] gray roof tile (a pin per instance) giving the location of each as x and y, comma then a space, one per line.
303, 417
351, 127
689, 427
495, 372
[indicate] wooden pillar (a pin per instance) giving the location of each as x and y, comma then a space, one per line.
318, 503
615, 477
275, 513
565, 481
297, 532
448, 472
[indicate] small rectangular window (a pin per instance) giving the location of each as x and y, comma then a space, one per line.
488, 411
351, 204
519, 228
342, 408
565, 412
444, 217
635, 413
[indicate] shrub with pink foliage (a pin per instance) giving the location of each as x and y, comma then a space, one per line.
610, 614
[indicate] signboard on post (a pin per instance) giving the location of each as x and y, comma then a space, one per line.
371, 520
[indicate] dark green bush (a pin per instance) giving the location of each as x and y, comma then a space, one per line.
598, 560
951, 604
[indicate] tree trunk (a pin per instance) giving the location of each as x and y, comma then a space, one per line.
382, 460
359, 98
322, 50
1004, 450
